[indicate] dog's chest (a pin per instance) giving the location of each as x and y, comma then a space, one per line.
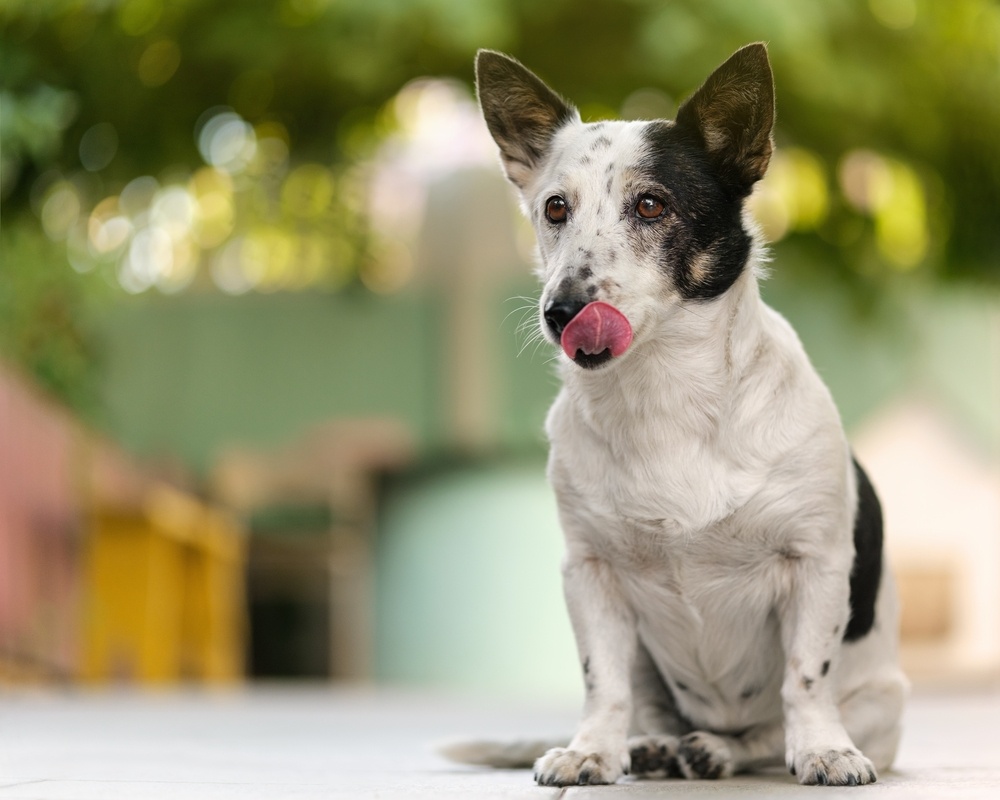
652, 483
685, 529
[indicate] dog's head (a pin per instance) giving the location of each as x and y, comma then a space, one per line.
633, 219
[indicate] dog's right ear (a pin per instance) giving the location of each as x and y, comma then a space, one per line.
521, 112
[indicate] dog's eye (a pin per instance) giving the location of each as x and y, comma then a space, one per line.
650, 207
555, 209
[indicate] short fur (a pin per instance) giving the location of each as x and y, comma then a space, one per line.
723, 568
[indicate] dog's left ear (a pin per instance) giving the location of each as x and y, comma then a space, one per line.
732, 116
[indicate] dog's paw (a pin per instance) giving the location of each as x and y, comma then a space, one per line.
704, 755
654, 756
833, 768
563, 767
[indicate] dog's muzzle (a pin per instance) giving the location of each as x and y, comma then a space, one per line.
590, 333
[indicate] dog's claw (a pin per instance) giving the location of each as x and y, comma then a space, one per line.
563, 767
834, 768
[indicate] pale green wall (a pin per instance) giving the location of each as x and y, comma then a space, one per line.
469, 591
188, 375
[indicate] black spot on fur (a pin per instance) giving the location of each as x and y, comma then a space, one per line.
612, 168
591, 291
807, 683
867, 571
705, 215
655, 761
586, 272
789, 554
699, 757
601, 142
588, 681
610, 184
826, 668
566, 292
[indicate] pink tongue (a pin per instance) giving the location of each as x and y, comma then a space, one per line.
598, 327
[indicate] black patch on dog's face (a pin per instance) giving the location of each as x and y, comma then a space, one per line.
866, 574
702, 243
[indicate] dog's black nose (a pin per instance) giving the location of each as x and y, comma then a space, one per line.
558, 313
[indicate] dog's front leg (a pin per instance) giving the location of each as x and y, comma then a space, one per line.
817, 747
605, 632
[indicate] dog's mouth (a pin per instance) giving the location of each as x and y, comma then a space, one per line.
598, 333
592, 360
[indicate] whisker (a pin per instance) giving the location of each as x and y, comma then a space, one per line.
689, 311
528, 329
529, 304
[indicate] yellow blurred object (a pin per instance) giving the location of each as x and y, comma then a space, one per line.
165, 599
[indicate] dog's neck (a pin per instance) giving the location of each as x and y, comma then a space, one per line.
686, 368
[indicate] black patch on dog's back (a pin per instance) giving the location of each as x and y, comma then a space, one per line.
704, 248
867, 572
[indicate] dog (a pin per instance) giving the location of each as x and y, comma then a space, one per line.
723, 569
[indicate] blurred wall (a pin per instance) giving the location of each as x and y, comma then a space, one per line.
188, 375
469, 591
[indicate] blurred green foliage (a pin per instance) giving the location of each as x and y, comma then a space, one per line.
889, 111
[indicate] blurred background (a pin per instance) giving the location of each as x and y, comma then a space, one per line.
270, 406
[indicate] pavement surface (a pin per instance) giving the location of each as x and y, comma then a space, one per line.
318, 742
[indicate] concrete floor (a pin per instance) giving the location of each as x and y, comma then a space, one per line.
306, 743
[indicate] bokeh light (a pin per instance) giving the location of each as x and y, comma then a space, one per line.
227, 141
793, 196
893, 195
98, 146
158, 62
60, 210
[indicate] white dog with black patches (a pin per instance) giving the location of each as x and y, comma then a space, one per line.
723, 567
